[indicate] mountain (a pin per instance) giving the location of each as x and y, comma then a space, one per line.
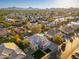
16, 8
12, 8
30, 8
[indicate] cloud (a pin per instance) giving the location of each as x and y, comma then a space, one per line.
66, 3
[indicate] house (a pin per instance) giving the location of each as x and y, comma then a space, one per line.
19, 30
9, 20
11, 51
3, 32
39, 41
67, 29
69, 17
52, 24
74, 24
52, 33
60, 19
21, 17
42, 46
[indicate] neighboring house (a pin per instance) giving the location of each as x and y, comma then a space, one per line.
3, 32
52, 33
69, 17
9, 20
74, 24
12, 51
68, 29
21, 17
60, 19
51, 24
19, 30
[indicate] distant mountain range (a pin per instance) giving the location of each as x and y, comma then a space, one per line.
17, 8
30, 8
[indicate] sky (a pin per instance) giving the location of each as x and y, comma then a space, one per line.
39, 3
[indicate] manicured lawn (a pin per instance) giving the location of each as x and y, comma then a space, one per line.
1, 20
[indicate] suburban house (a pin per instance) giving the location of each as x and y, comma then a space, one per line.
52, 33
60, 19
74, 24
42, 47
11, 51
52, 24
9, 20
3, 32
68, 29
69, 17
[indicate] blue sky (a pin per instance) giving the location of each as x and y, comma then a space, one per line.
39, 3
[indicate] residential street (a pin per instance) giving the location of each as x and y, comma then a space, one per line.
70, 49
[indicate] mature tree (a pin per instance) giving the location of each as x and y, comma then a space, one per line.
37, 28
77, 29
61, 13
28, 25
25, 42
76, 13
1, 20
7, 24
17, 37
50, 19
58, 40
7, 57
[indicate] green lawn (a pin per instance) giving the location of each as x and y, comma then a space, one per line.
1, 20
